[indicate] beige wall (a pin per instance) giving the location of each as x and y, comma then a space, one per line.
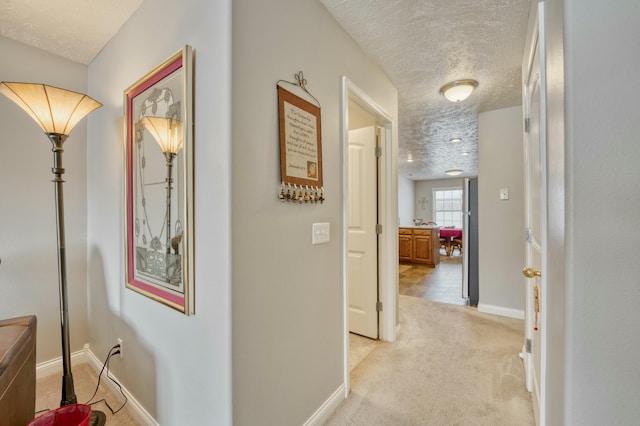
501, 247
287, 294
406, 201
28, 252
177, 367
359, 117
602, 294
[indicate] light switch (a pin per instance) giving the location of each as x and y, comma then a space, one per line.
320, 233
504, 193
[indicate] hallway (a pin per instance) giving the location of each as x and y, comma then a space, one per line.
440, 284
450, 365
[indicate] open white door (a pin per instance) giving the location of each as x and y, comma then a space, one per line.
362, 242
536, 205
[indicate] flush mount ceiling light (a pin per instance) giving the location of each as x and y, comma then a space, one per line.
456, 139
465, 152
453, 172
458, 90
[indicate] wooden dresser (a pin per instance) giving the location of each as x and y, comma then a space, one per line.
419, 245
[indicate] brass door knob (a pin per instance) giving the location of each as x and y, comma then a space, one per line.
531, 273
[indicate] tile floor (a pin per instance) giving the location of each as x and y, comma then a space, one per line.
440, 284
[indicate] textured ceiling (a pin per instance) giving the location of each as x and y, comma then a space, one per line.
73, 29
423, 44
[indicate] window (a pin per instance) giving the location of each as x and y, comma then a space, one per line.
447, 207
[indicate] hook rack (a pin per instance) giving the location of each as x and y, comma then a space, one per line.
301, 194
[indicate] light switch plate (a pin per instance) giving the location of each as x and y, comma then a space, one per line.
504, 193
320, 233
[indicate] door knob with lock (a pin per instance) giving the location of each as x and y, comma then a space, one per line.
530, 272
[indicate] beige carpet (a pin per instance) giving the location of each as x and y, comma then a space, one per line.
48, 391
450, 365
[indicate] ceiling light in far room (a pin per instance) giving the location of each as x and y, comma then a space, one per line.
465, 152
456, 139
458, 90
453, 172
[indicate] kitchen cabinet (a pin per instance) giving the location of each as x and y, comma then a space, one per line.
419, 245
405, 245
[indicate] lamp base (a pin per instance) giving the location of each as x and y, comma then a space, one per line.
98, 418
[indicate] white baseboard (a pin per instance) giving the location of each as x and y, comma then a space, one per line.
134, 407
326, 410
54, 366
501, 310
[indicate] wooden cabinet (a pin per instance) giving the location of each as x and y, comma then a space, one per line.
405, 245
422, 246
419, 245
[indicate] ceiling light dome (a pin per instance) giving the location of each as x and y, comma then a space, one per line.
456, 139
453, 172
458, 90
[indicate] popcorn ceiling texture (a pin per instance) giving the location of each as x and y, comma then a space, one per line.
422, 45
74, 29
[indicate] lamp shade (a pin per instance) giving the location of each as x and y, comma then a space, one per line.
166, 131
55, 110
458, 90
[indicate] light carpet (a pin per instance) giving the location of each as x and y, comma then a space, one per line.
48, 392
450, 365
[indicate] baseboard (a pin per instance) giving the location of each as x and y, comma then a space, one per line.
135, 408
54, 366
326, 410
501, 310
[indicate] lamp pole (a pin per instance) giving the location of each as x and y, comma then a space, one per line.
68, 391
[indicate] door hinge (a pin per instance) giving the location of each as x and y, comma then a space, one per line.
528, 346
527, 235
379, 306
527, 125
378, 151
378, 229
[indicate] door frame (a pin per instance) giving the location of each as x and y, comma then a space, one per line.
536, 41
387, 217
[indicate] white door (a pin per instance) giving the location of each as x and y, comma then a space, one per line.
362, 263
535, 241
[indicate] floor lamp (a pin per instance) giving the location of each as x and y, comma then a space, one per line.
56, 111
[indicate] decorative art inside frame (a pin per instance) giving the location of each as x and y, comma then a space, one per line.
300, 145
159, 183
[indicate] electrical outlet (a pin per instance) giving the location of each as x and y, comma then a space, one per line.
504, 193
121, 347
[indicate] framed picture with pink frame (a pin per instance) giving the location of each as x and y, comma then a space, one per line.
159, 183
